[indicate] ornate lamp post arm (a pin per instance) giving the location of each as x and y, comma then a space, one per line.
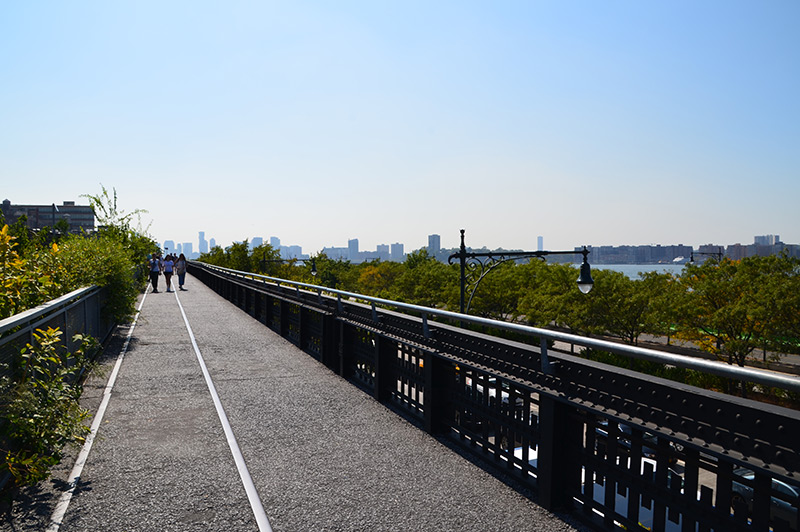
475, 266
716, 254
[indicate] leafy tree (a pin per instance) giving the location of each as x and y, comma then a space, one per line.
237, 256
781, 286
215, 256
664, 294
426, 281
551, 296
617, 306
499, 293
378, 278
267, 260
733, 308
335, 274
724, 307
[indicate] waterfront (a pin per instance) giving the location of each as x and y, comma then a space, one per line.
633, 270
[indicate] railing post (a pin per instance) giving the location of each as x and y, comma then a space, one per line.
341, 365
258, 304
330, 342
559, 473
440, 378
284, 328
385, 350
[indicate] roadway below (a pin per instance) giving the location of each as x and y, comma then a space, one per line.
321, 454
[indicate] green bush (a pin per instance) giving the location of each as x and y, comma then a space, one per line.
41, 405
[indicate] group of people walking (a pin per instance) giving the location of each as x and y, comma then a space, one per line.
169, 265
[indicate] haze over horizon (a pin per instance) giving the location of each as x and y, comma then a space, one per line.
613, 123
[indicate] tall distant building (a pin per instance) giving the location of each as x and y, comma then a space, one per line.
169, 246
352, 250
336, 253
291, 252
212, 243
178, 248
767, 240
257, 241
203, 247
434, 245
383, 252
398, 255
540, 243
275, 242
187, 250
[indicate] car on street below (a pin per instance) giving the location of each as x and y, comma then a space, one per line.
783, 507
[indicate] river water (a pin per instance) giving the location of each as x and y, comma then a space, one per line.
632, 270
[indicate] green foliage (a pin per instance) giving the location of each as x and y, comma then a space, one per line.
617, 306
238, 257
499, 293
379, 278
103, 261
550, 296
263, 259
338, 274
41, 405
266, 260
425, 281
215, 257
731, 308
109, 215
27, 281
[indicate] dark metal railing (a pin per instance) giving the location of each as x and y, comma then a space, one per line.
73, 313
620, 448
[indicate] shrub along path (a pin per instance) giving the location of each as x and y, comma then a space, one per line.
322, 454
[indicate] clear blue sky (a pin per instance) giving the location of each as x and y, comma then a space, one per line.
601, 123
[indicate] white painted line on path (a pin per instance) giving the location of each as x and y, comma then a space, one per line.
75, 476
244, 474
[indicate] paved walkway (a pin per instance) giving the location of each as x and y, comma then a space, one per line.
322, 455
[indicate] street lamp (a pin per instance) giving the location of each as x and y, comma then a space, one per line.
717, 254
475, 266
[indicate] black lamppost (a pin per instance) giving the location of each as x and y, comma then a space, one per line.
475, 266
717, 254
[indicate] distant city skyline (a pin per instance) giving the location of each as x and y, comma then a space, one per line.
602, 252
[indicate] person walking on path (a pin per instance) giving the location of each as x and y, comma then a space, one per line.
168, 265
155, 270
180, 270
